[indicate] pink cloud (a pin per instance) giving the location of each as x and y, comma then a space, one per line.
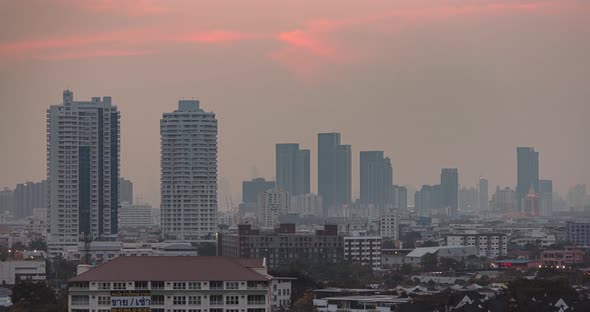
124, 7
90, 54
216, 36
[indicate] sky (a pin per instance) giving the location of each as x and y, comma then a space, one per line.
438, 83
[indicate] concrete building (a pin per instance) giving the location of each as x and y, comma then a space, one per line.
213, 284
482, 190
334, 171
283, 245
399, 197
250, 191
527, 174
133, 216
21, 270
292, 169
6, 200
82, 170
459, 253
531, 207
27, 196
271, 205
363, 249
577, 197
389, 226
546, 197
578, 233
449, 191
376, 178
125, 191
189, 173
427, 201
281, 293
307, 205
101, 252
489, 245
561, 258
504, 200
468, 199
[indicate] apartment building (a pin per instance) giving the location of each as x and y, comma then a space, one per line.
489, 245
364, 249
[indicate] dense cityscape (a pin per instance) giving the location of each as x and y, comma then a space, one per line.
301, 156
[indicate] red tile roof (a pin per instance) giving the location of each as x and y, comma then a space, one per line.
174, 268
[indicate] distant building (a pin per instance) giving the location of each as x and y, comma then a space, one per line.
468, 199
283, 245
125, 191
187, 283
399, 197
12, 271
546, 197
561, 258
389, 226
491, 245
133, 216
449, 186
101, 252
271, 205
334, 171
482, 190
531, 204
427, 200
504, 200
578, 233
577, 197
292, 169
6, 200
83, 170
29, 195
189, 173
250, 191
458, 253
363, 249
527, 173
307, 205
376, 178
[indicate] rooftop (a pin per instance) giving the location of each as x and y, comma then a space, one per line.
166, 268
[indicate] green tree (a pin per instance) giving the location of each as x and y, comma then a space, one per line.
36, 293
429, 244
38, 244
18, 246
207, 249
429, 262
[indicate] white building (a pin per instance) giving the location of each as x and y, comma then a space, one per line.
189, 173
459, 253
363, 249
101, 252
489, 245
133, 216
271, 205
307, 204
389, 226
12, 271
212, 284
82, 170
281, 292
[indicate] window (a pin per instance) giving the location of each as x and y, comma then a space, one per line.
119, 286
104, 300
179, 300
158, 310
232, 310
232, 300
179, 310
157, 299
216, 300
157, 285
232, 285
216, 285
179, 285
256, 299
194, 285
104, 286
141, 285
191, 310
194, 300
80, 300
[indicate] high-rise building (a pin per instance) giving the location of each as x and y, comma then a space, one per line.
125, 191
577, 197
483, 193
504, 200
376, 177
292, 169
307, 205
250, 191
531, 204
468, 199
334, 171
6, 200
527, 173
449, 185
82, 170
134, 216
189, 173
272, 204
27, 196
546, 197
399, 197
427, 200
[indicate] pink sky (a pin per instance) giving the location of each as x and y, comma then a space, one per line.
467, 79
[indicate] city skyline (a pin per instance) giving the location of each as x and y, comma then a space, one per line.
454, 88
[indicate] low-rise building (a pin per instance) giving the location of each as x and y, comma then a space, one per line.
562, 258
25, 270
393, 257
363, 249
458, 253
133, 216
578, 233
389, 226
100, 252
161, 284
489, 245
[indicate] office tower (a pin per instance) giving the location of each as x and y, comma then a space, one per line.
292, 169
250, 191
546, 197
528, 173
307, 205
189, 173
27, 196
428, 201
125, 191
272, 204
399, 197
531, 204
334, 171
504, 200
449, 184
83, 170
468, 199
577, 197
376, 177
135, 216
6, 200
482, 190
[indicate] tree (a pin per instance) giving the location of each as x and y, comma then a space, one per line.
38, 244
33, 293
429, 262
429, 244
304, 304
18, 246
409, 239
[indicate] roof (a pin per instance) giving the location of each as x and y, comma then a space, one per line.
419, 252
170, 268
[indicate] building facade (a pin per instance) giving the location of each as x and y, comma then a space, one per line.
449, 191
578, 233
389, 226
334, 171
363, 249
272, 204
546, 197
562, 258
483, 194
527, 162
489, 245
134, 216
189, 173
307, 205
213, 284
28, 196
292, 169
125, 191
82, 170
376, 177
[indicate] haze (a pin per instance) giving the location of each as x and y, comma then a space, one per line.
434, 84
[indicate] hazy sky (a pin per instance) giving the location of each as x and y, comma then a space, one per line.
439, 83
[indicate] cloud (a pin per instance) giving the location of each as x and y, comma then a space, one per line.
90, 54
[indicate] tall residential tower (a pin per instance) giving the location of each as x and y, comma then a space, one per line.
527, 172
292, 169
334, 171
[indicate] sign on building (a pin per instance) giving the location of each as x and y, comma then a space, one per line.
130, 301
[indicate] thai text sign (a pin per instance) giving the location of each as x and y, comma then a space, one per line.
130, 301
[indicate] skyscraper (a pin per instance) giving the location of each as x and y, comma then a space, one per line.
189, 173
546, 197
125, 191
29, 195
250, 191
399, 197
483, 193
272, 204
468, 199
82, 170
528, 173
376, 177
427, 200
449, 184
292, 169
334, 170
